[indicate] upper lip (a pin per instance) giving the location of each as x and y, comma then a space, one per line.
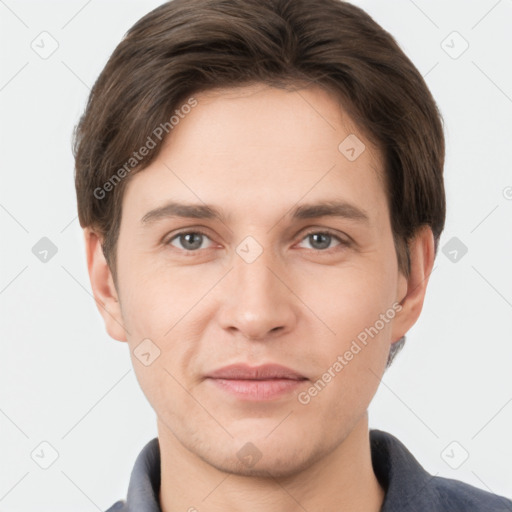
262, 372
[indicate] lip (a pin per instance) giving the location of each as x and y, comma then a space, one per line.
256, 383
262, 372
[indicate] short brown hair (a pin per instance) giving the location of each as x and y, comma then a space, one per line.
186, 46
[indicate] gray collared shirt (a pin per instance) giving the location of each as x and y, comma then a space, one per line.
409, 488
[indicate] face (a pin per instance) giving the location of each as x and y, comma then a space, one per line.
292, 263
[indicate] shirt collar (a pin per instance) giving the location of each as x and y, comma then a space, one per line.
399, 473
403, 478
144, 486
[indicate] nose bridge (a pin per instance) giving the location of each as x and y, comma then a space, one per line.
258, 301
255, 278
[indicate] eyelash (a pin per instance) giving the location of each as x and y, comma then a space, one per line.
342, 242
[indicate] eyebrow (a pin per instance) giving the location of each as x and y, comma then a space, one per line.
306, 211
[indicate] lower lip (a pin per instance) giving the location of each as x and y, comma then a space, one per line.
258, 389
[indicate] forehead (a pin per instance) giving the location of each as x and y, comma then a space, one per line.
265, 145
285, 120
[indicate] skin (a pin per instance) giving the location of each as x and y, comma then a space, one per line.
256, 153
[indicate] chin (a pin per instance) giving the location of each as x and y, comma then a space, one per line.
264, 458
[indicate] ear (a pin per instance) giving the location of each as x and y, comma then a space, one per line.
411, 290
103, 288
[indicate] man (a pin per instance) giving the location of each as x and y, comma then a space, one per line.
260, 185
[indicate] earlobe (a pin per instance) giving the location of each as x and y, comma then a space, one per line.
421, 250
103, 288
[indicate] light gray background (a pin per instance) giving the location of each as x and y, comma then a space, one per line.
64, 381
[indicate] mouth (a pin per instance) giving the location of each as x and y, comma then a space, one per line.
259, 383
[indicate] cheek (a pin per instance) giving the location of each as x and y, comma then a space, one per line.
158, 308
349, 298
356, 304
156, 297
358, 307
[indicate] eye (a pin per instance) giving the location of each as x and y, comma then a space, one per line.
189, 240
321, 240
192, 241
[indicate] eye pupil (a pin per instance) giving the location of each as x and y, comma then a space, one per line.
190, 244
318, 237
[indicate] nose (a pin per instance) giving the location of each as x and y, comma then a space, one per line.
258, 301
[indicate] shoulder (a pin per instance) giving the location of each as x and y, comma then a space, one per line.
410, 487
456, 496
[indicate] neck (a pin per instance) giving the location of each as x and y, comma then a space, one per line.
342, 480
